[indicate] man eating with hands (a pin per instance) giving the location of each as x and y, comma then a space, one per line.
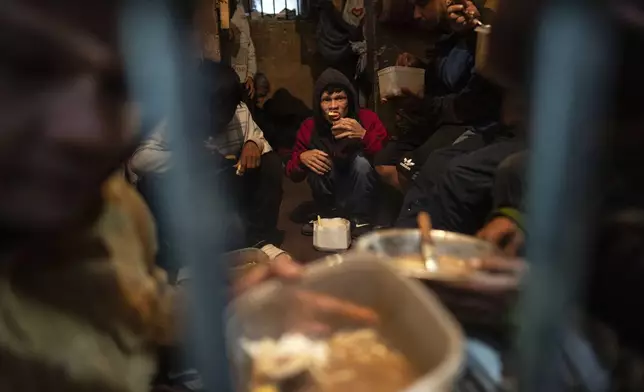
333, 151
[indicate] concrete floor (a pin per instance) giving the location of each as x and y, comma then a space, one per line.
299, 246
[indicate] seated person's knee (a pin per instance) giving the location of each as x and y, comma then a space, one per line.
361, 166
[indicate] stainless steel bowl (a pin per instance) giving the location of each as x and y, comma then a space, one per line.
397, 244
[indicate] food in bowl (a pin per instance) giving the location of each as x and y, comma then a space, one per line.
346, 361
449, 266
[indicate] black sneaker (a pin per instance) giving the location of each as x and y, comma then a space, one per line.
307, 228
360, 227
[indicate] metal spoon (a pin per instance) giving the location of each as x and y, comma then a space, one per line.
427, 246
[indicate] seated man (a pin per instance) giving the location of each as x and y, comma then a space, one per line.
333, 151
236, 153
456, 98
455, 184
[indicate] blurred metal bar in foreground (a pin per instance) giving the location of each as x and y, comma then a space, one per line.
572, 75
161, 70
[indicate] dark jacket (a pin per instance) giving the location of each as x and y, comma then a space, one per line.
334, 34
454, 92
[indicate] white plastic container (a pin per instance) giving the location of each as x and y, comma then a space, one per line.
332, 235
393, 79
412, 320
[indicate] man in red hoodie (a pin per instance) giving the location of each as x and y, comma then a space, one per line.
333, 151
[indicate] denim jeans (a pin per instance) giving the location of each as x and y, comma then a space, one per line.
350, 188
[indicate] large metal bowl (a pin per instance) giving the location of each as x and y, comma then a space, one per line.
397, 244
481, 297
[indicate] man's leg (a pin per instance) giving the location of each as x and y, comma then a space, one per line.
356, 192
322, 189
462, 197
266, 198
431, 173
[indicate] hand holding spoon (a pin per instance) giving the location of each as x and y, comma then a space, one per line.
426, 242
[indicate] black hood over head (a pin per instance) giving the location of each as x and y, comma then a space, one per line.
322, 138
332, 77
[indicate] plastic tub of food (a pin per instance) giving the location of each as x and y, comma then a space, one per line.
344, 316
331, 235
392, 80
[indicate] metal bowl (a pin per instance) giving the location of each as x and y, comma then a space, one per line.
397, 244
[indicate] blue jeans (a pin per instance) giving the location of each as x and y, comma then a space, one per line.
350, 189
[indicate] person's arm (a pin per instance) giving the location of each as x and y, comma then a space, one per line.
252, 132
505, 227
375, 136
244, 28
294, 168
252, 58
152, 156
454, 92
477, 101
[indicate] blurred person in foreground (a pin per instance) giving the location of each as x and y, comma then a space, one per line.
616, 267
333, 152
83, 306
235, 153
456, 101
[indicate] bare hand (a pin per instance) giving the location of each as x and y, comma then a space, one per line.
505, 233
348, 128
250, 157
316, 160
250, 87
462, 15
406, 60
283, 266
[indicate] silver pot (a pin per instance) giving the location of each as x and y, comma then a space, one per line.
481, 297
400, 244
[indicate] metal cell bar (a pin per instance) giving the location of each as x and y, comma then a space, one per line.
171, 87
571, 80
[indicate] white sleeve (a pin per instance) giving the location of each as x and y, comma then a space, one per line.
252, 59
152, 156
252, 132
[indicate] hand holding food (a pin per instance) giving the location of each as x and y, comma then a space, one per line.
504, 233
462, 15
407, 60
348, 128
316, 160
283, 266
250, 157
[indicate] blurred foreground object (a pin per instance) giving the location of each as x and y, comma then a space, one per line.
82, 305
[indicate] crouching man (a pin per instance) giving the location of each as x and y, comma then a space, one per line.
333, 152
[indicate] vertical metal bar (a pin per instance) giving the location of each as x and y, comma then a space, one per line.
372, 53
572, 75
298, 7
261, 5
286, 8
274, 10
171, 86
